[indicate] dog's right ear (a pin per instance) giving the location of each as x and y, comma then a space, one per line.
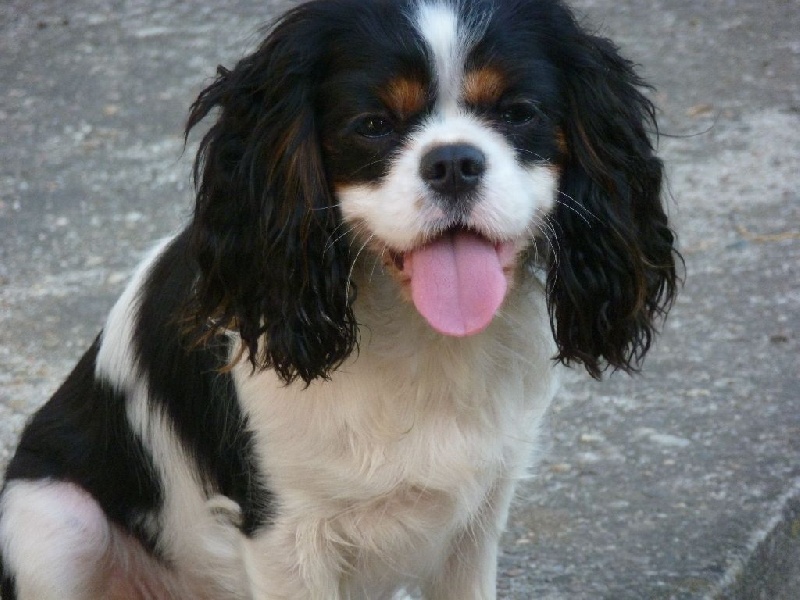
270, 266
613, 276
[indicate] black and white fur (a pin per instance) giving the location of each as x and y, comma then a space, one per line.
265, 414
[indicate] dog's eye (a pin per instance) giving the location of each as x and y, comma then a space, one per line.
374, 126
519, 113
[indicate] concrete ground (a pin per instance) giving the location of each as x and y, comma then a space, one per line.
681, 483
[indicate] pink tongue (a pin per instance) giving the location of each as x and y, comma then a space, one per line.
457, 282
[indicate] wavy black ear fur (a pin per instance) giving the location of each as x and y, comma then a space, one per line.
262, 233
613, 273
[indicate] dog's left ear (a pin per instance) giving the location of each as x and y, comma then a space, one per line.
263, 234
613, 271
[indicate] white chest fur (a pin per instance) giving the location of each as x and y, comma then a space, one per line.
378, 471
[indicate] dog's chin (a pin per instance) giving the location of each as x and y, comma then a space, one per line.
457, 279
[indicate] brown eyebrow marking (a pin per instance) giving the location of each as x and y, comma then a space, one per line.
484, 86
404, 96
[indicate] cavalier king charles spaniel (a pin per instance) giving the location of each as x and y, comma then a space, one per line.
409, 213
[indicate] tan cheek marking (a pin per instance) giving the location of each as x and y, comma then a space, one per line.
484, 86
404, 96
561, 142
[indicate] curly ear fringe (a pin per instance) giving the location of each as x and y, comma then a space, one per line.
270, 268
613, 274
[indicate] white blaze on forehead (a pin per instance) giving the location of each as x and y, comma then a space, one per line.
399, 209
449, 36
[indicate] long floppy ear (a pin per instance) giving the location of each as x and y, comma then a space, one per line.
270, 266
613, 271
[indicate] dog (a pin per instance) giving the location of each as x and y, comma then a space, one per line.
410, 215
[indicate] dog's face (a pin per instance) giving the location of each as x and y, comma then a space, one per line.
443, 154
441, 138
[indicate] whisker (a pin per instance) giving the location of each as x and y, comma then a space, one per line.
547, 228
576, 207
377, 260
534, 154
353, 265
330, 206
576, 211
551, 238
365, 165
556, 251
332, 240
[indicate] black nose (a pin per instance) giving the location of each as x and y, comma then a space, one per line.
453, 169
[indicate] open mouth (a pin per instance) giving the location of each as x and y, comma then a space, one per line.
458, 280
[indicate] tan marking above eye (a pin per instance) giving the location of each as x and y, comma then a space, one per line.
404, 96
484, 86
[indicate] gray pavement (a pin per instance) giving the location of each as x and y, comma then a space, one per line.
683, 482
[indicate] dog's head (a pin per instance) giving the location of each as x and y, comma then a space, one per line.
447, 138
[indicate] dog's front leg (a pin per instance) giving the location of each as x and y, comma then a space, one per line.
470, 570
291, 561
